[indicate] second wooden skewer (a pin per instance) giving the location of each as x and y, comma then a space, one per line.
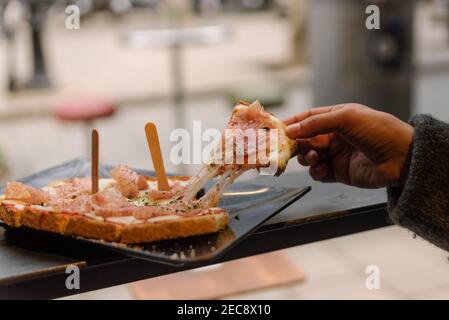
156, 156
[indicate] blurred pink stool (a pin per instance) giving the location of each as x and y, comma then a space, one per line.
85, 110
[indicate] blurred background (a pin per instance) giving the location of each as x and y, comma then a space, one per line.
176, 61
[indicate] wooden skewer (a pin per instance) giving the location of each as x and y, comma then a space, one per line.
95, 147
156, 155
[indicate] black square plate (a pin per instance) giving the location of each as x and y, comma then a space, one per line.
248, 205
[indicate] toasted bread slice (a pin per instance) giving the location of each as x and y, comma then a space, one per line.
79, 225
115, 229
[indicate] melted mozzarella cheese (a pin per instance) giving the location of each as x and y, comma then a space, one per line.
94, 216
105, 183
19, 205
152, 184
42, 208
124, 220
132, 220
163, 218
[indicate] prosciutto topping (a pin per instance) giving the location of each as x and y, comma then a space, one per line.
248, 116
82, 204
110, 203
128, 182
244, 117
144, 213
73, 196
22, 192
176, 190
73, 188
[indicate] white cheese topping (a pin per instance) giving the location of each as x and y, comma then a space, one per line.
17, 204
42, 208
132, 220
125, 220
163, 218
153, 184
94, 216
105, 183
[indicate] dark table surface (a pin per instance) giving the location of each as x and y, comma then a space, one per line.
33, 266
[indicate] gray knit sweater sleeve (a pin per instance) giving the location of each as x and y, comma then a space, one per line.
422, 204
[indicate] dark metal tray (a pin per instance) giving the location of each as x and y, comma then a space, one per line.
248, 205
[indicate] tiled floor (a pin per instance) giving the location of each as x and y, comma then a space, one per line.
335, 269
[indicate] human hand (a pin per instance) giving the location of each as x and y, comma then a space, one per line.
352, 144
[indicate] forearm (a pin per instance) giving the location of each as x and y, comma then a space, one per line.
422, 203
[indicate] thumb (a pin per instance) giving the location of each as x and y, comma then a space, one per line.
318, 124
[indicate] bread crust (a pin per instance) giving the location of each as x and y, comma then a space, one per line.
80, 225
9, 216
90, 228
171, 229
